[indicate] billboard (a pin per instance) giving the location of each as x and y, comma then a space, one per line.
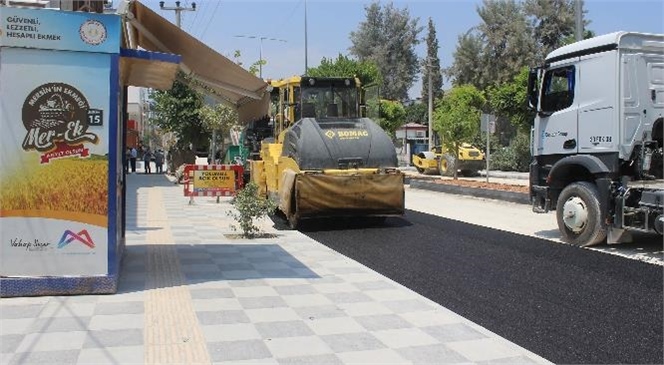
54, 162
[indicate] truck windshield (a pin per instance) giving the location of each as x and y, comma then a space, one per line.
558, 89
329, 101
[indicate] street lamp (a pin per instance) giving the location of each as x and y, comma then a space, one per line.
260, 55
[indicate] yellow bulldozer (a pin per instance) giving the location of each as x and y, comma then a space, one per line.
324, 159
439, 161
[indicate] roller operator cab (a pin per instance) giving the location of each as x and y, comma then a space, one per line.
324, 159
597, 137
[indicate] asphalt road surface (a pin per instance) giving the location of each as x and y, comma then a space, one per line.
566, 304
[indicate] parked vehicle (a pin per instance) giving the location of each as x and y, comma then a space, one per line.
597, 137
442, 162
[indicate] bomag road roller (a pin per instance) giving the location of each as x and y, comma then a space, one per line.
439, 161
325, 159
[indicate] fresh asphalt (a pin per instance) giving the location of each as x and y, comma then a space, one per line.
567, 304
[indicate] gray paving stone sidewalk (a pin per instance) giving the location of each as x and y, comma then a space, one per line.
280, 300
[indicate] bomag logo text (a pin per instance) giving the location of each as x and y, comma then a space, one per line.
352, 134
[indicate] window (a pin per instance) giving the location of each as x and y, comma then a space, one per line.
558, 90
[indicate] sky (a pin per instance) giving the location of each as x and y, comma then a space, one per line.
218, 23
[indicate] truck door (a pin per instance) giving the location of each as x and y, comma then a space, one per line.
597, 96
557, 127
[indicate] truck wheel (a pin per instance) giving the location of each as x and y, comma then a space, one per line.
419, 169
579, 216
447, 165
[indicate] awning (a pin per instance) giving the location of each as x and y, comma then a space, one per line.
147, 69
212, 72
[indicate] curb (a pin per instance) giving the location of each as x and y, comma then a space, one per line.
519, 198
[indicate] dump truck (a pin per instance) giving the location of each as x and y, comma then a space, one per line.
439, 161
597, 137
324, 159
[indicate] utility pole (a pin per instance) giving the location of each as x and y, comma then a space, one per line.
178, 21
306, 51
430, 103
578, 6
260, 54
178, 11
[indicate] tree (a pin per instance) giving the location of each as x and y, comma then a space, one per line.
457, 117
388, 37
552, 21
507, 39
177, 110
392, 116
367, 71
220, 118
417, 113
509, 100
432, 64
468, 66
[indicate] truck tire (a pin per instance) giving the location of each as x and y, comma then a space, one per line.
447, 165
579, 216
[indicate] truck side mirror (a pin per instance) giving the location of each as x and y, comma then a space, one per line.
533, 89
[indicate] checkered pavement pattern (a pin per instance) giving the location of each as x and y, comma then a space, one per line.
191, 293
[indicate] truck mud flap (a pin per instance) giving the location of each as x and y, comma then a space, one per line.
319, 195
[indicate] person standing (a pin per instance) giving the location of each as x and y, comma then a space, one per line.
159, 161
127, 157
132, 159
147, 157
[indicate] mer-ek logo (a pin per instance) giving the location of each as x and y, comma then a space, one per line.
82, 237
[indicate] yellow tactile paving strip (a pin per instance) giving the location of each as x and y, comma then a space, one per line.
172, 334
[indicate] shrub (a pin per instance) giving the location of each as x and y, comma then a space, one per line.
248, 207
516, 157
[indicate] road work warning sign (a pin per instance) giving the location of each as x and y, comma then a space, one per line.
214, 180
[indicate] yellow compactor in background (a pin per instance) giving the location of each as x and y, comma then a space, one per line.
440, 161
324, 159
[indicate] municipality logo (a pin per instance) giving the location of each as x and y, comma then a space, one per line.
330, 134
81, 237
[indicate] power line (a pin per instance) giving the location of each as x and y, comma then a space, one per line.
288, 18
209, 21
193, 23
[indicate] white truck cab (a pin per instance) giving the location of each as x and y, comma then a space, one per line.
597, 136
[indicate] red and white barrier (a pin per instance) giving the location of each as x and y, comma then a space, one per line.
201, 180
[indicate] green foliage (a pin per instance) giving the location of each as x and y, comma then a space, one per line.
431, 64
457, 116
177, 110
220, 118
552, 21
417, 113
508, 43
468, 65
515, 157
509, 100
512, 34
392, 116
249, 206
342, 66
388, 37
